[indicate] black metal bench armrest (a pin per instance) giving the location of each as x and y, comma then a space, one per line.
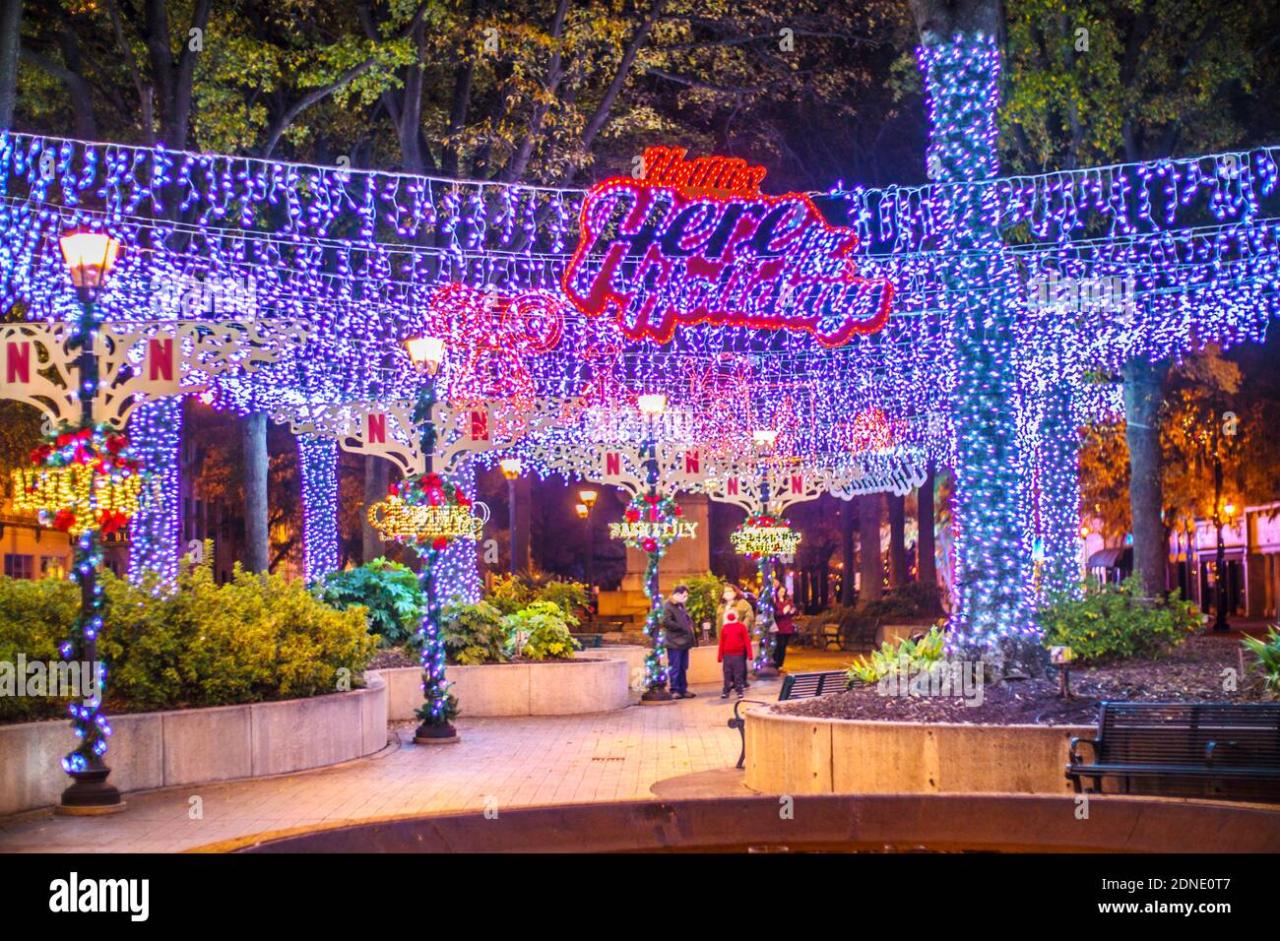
1093, 744
739, 722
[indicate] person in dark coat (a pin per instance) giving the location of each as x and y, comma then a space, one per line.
784, 619
678, 638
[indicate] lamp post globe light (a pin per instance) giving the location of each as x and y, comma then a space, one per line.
512, 468
90, 258
428, 354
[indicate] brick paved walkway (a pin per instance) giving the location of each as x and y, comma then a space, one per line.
508, 762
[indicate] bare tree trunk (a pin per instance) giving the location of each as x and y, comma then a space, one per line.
10, 49
257, 548
849, 560
524, 528
376, 478
1143, 383
926, 558
870, 564
897, 540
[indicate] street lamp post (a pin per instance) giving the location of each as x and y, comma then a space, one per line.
764, 439
1220, 510
89, 257
427, 353
589, 498
511, 467
651, 406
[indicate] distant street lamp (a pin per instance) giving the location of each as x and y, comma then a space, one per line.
651, 406
1221, 583
512, 468
588, 498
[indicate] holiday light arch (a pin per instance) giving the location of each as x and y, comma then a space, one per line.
1198, 236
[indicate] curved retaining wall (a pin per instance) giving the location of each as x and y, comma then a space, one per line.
904, 822
552, 688
199, 746
801, 755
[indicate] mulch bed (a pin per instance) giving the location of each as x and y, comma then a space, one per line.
1193, 672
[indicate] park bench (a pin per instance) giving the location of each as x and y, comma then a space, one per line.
794, 686
589, 640
1224, 751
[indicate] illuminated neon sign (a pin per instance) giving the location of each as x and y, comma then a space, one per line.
694, 241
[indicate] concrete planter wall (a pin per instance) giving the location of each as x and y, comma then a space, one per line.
199, 746
552, 688
799, 755
703, 667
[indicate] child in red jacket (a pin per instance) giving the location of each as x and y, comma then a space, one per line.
735, 651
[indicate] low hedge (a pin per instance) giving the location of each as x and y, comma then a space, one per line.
255, 638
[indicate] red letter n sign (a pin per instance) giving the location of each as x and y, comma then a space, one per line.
160, 367
376, 428
17, 362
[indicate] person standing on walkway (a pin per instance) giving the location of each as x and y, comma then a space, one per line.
784, 619
734, 600
734, 652
678, 638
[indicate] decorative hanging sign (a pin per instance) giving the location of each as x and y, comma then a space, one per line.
651, 523
762, 536
83, 479
428, 510
136, 361
695, 241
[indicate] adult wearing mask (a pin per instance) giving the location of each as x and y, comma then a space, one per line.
678, 638
733, 599
784, 619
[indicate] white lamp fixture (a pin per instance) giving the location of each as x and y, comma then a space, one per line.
89, 257
428, 352
512, 467
652, 404
764, 437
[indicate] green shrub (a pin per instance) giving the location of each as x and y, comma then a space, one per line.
569, 597
198, 644
35, 617
880, 663
473, 633
912, 600
540, 632
258, 637
1267, 655
1114, 622
510, 593
389, 593
704, 597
